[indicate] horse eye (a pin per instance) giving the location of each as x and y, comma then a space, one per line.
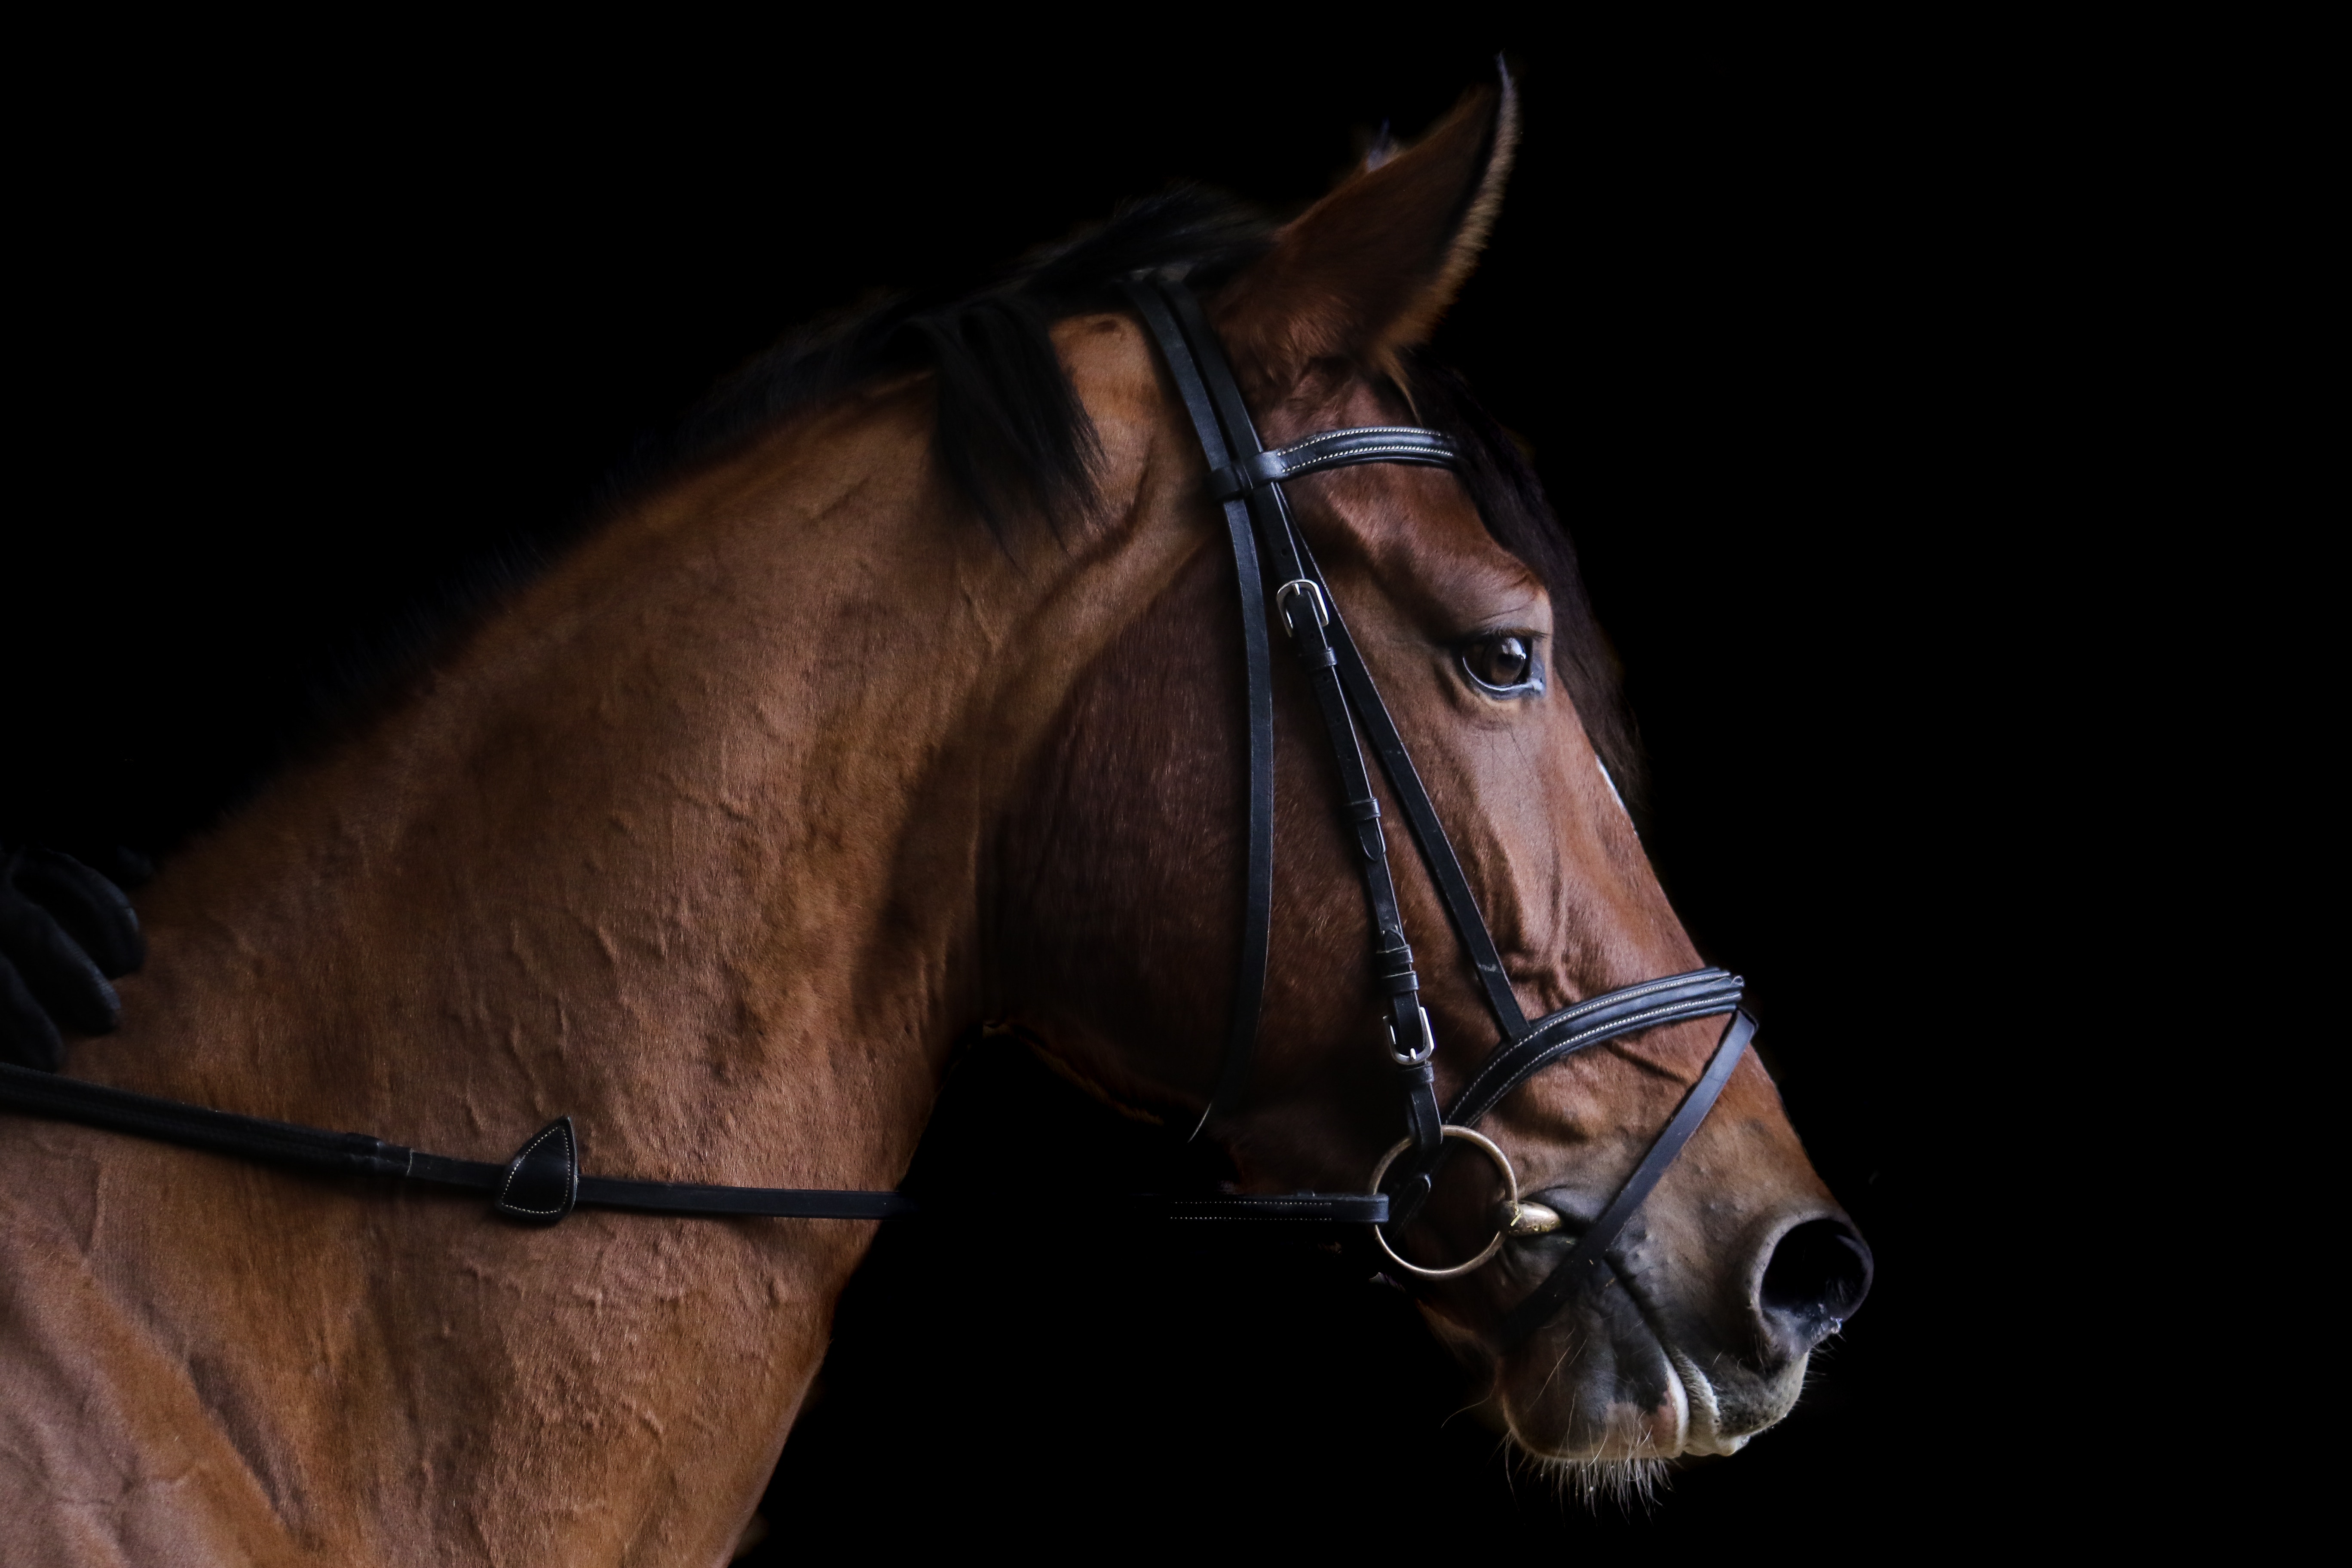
1503, 664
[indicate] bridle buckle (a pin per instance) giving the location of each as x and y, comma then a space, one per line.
1315, 599
1418, 1054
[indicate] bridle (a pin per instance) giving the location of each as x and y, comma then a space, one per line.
542, 1183
1247, 482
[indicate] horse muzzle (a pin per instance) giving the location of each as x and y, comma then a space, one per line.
1659, 1359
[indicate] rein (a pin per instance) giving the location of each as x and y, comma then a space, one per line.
542, 1181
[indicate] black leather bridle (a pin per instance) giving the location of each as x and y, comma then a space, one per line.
542, 1181
1247, 482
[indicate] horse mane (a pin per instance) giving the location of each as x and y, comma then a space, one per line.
1014, 439
1011, 433
1013, 436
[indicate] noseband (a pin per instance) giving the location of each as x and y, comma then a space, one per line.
542, 1181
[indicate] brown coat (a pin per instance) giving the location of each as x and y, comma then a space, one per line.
717, 839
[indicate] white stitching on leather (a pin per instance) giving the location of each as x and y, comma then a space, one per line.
1551, 1053
1613, 998
1313, 458
1279, 1205
1367, 430
1672, 1013
515, 1166
1312, 454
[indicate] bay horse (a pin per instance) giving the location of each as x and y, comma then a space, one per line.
909, 704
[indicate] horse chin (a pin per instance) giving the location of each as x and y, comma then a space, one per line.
1603, 1403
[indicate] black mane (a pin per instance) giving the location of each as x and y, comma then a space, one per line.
1011, 433
1013, 436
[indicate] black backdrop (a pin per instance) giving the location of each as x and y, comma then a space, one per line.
301, 349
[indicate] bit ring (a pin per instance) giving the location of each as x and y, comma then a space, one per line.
1510, 1180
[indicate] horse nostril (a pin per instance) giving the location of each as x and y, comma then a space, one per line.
1818, 1274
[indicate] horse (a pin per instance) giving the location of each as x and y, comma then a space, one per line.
903, 704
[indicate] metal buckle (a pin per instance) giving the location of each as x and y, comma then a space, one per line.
1509, 1205
1419, 1053
1314, 599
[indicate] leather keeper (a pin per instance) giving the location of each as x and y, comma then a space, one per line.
1406, 1194
542, 1181
1253, 471
1424, 1122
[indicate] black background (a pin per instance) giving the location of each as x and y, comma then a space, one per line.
1791, 323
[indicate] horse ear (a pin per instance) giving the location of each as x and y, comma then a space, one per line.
1369, 269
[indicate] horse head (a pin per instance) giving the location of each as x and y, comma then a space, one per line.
719, 837
1120, 876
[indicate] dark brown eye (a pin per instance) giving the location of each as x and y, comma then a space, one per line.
1503, 664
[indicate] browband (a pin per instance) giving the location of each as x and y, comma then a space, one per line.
1333, 449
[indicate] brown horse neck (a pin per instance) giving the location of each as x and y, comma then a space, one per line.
685, 843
